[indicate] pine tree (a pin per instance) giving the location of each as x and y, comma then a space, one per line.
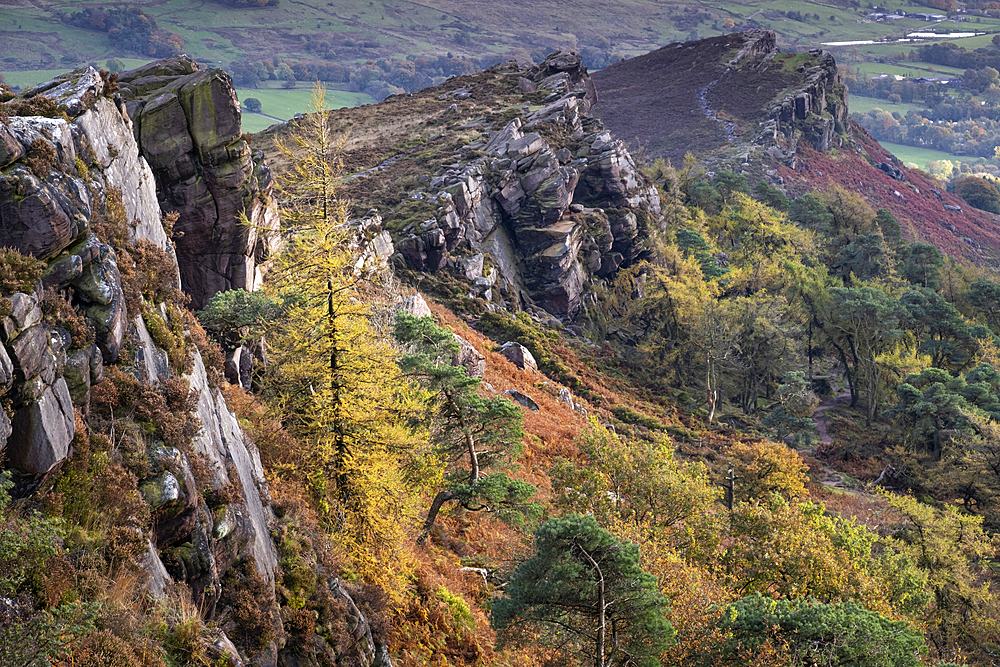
586, 593
473, 433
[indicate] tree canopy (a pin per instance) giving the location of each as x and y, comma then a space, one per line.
480, 433
588, 595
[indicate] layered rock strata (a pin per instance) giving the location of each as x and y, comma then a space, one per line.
187, 125
549, 217
48, 209
57, 177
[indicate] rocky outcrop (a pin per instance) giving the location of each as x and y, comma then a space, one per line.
523, 400
48, 208
815, 111
469, 357
234, 461
415, 305
371, 652
756, 44
53, 187
207, 495
370, 245
99, 139
187, 125
37, 436
686, 90
199, 543
547, 217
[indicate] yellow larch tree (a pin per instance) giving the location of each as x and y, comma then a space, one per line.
332, 376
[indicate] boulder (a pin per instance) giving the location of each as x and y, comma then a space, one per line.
100, 291
6, 371
77, 375
11, 149
83, 369
63, 271
238, 367
521, 399
416, 306
30, 353
159, 578
42, 217
518, 355
566, 397
559, 61
161, 491
42, 431
893, 171
25, 313
469, 357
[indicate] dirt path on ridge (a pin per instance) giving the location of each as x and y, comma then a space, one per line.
831, 477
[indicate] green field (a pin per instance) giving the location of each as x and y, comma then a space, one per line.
30, 78
277, 102
363, 30
284, 104
254, 123
359, 32
859, 104
911, 69
920, 156
33, 77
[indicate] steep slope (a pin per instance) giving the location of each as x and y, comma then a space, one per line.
107, 406
715, 93
926, 211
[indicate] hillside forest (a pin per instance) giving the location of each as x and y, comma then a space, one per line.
702, 368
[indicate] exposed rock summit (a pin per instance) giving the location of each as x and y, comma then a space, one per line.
187, 125
679, 98
548, 197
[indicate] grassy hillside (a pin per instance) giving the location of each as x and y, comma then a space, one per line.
917, 156
630, 378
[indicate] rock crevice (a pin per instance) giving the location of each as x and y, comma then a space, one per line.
548, 217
